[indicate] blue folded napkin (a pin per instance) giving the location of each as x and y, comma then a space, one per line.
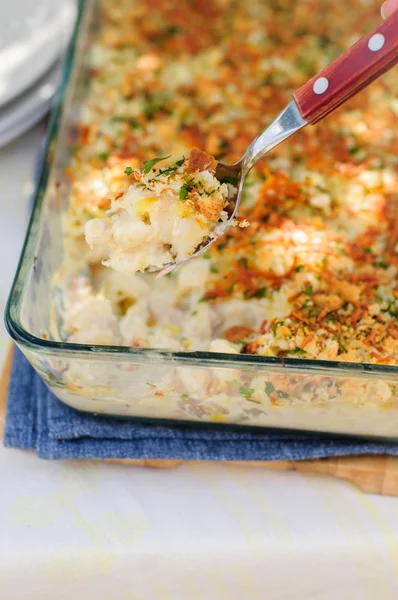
36, 420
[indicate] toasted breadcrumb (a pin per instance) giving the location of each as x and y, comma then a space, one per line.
311, 268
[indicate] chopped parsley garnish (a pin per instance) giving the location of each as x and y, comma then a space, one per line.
269, 388
128, 171
299, 268
297, 351
260, 293
354, 150
167, 171
149, 164
184, 191
152, 108
276, 326
309, 290
207, 298
229, 179
381, 264
214, 269
103, 155
179, 163
174, 30
246, 392
281, 394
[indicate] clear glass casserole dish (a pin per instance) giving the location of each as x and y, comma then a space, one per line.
240, 390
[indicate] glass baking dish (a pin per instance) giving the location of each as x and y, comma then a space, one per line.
196, 387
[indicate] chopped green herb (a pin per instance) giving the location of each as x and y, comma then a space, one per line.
152, 108
324, 41
246, 392
260, 293
269, 79
130, 120
299, 268
149, 164
244, 262
354, 150
128, 171
297, 351
304, 63
179, 163
167, 171
103, 155
229, 179
184, 191
214, 269
269, 388
276, 326
174, 30
195, 312
309, 290
381, 264
207, 298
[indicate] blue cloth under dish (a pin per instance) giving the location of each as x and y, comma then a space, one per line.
36, 420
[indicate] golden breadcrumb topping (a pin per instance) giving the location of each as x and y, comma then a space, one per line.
315, 275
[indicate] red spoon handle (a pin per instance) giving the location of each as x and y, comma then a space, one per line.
364, 62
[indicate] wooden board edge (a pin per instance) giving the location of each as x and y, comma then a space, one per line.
372, 474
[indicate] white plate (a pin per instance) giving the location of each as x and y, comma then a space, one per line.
33, 33
27, 110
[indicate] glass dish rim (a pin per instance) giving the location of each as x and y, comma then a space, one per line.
125, 353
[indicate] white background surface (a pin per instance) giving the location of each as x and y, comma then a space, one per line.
87, 530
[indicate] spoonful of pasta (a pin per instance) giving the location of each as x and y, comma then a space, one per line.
173, 211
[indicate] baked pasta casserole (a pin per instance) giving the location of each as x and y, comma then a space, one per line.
314, 274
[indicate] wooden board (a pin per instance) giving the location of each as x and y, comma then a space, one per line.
373, 474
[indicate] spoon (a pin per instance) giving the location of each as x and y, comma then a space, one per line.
370, 57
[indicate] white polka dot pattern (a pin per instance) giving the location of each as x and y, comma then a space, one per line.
321, 85
376, 42
351, 72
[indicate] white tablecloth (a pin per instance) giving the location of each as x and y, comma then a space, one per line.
87, 530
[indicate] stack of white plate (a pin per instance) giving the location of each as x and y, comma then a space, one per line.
33, 37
